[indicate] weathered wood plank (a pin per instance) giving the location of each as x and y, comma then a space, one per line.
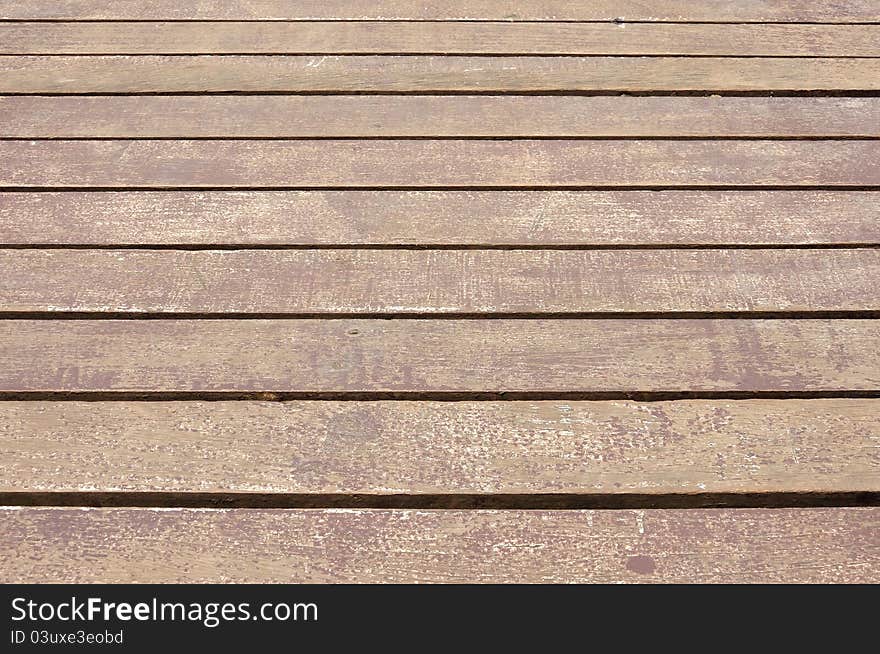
449, 356
439, 281
276, 116
401, 74
436, 163
490, 218
405, 546
383, 448
842, 11
336, 37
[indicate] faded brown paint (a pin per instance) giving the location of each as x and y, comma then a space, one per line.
183, 451
402, 116
405, 546
711, 446
526, 218
364, 37
437, 163
439, 281
529, 355
351, 74
842, 11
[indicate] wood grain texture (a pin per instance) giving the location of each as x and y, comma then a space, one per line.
402, 74
451, 356
438, 281
489, 299
489, 218
841, 11
386, 546
274, 116
338, 37
744, 446
436, 163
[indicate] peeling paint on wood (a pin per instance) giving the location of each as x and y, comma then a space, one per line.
405, 546
842, 11
698, 446
441, 355
438, 282
366, 37
473, 218
279, 116
437, 163
433, 73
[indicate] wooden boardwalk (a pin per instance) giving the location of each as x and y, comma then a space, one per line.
466, 291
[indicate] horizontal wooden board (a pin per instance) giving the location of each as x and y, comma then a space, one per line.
383, 448
842, 11
438, 281
381, 546
277, 116
402, 74
364, 37
436, 163
451, 356
488, 218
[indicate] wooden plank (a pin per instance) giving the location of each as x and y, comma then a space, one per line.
405, 74
485, 218
405, 546
436, 163
386, 448
335, 37
275, 116
440, 356
438, 281
842, 11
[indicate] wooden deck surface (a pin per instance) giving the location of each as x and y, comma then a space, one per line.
399, 291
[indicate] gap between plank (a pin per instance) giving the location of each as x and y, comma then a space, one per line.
519, 501
607, 21
512, 247
429, 53
803, 93
409, 137
422, 396
858, 314
581, 187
